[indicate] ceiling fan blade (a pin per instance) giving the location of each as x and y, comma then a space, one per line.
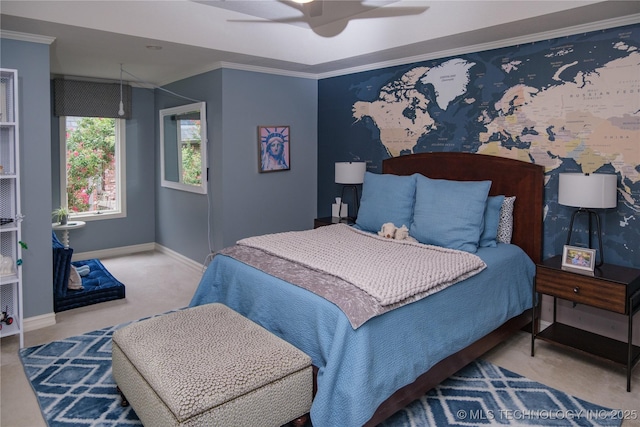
292, 20
328, 18
391, 11
313, 9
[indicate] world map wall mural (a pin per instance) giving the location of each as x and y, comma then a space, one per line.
571, 104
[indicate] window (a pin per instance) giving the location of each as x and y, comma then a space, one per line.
189, 159
183, 148
92, 155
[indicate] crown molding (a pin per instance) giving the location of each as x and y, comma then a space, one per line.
25, 37
268, 70
531, 38
514, 41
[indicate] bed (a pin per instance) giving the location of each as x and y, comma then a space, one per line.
365, 374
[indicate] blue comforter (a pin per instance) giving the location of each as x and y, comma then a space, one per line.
359, 369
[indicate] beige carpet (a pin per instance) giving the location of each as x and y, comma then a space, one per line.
157, 283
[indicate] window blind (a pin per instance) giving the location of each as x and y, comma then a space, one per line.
90, 99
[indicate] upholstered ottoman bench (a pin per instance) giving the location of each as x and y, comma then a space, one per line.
210, 366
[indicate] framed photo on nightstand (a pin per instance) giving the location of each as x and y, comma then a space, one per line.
578, 260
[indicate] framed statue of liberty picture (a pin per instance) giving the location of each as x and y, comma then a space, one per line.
273, 148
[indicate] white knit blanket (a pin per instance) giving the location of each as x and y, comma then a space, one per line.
388, 270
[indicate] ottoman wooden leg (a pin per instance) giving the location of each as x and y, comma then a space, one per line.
123, 402
300, 422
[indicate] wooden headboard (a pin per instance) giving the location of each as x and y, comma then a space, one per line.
508, 177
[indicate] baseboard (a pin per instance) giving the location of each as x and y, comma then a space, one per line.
145, 247
180, 258
112, 252
49, 319
37, 322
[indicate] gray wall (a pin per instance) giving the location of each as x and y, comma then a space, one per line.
258, 203
181, 216
32, 62
243, 202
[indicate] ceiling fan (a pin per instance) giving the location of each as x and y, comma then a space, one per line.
310, 8
326, 18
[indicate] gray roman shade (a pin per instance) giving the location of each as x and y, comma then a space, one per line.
90, 99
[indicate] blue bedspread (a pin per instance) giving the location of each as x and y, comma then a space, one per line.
359, 369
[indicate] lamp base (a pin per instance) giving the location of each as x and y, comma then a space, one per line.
598, 230
354, 189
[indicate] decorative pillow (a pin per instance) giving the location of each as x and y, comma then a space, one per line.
491, 220
386, 198
75, 282
449, 213
505, 226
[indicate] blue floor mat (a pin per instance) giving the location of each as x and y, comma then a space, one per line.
99, 286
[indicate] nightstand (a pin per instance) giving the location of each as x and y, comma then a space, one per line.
612, 288
329, 220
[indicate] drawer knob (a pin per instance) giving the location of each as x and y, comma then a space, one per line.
576, 289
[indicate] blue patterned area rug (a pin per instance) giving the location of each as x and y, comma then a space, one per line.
73, 383
483, 394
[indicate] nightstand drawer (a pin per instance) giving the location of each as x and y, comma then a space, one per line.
582, 289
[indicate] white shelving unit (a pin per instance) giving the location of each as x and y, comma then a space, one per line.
11, 315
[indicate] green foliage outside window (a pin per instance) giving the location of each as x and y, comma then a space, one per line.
191, 164
91, 145
191, 160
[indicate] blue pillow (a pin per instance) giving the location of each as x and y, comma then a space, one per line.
449, 213
386, 198
491, 220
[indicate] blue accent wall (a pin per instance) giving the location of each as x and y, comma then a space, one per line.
570, 104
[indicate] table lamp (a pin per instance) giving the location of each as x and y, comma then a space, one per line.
588, 192
350, 174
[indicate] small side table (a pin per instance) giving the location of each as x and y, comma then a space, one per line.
613, 288
329, 220
71, 225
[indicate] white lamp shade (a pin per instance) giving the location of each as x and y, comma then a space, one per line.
596, 190
350, 172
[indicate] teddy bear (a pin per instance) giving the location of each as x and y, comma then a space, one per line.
390, 231
402, 233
